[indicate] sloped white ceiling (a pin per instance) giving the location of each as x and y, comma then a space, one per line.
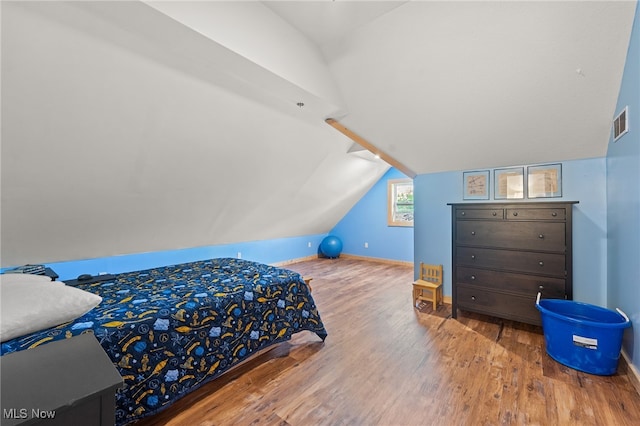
124, 131
454, 85
139, 126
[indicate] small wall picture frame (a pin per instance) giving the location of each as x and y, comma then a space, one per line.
476, 185
621, 124
508, 183
544, 181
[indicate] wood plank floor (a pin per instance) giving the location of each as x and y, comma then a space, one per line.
386, 363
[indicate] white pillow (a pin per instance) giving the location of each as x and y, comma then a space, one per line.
30, 304
21, 278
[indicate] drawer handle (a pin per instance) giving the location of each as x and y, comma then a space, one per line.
541, 236
541, 287
515, 213
554, 214
473, 277
473, 232
462, 213
473, 298
473, 256
541, 263
494, 214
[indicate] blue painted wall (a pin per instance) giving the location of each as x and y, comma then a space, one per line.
367, 222
623, 203
269, 251
582, 180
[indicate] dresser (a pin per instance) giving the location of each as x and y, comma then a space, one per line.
504, 254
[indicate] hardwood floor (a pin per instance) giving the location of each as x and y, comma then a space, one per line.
386, 363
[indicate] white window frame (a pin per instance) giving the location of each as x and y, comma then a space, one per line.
392, 205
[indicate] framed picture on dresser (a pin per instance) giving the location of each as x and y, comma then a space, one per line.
508, 183
544, 181
475, 185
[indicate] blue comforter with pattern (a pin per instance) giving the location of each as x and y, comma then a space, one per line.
169, 330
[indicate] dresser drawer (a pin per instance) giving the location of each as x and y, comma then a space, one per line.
548, 264
536, 214
494, 214
510, 306
547, 236
551, 288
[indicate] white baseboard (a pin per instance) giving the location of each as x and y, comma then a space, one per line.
632, 372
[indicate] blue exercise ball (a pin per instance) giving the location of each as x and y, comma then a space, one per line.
331, 246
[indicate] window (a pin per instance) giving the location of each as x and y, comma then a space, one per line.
400, 202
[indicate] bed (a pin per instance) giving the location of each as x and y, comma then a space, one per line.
169, 330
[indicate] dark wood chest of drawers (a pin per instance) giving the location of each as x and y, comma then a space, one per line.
504, 254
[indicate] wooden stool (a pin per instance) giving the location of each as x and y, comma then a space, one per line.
429, 286
307, 280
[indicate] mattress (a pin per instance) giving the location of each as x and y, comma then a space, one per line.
169, 330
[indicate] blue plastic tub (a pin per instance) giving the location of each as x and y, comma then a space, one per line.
582, 336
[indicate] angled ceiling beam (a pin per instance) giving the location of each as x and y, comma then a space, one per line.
368, 146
